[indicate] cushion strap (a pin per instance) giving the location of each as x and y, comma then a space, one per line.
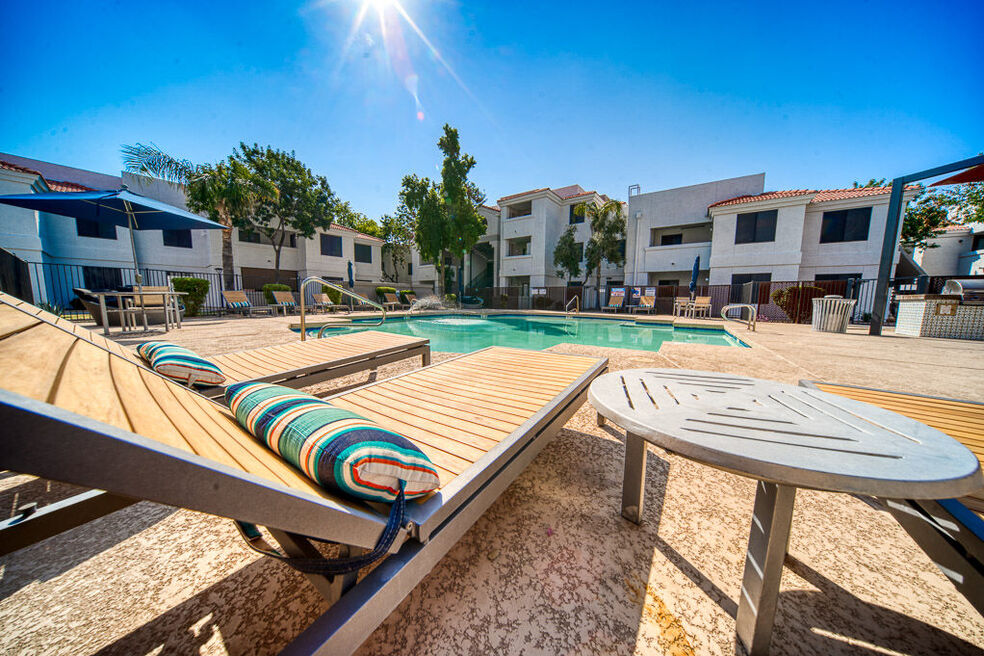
334, 566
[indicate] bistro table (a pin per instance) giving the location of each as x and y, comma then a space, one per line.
170, 301
787, 437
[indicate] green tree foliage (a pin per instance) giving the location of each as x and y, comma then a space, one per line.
797, 301
346, 216
396, 231
568, 254
444, 214
304, 202
607, 223
196, 289
271, 287
965, 202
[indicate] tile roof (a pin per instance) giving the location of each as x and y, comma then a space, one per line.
343, 228
494, 208
571, 191
819, 195
523, 193
14, 167
62, 185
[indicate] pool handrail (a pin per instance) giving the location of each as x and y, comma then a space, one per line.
347, 292
752, 311
576, 300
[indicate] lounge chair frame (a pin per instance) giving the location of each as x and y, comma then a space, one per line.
75, 449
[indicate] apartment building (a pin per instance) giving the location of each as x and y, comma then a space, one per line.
958, 251
802, 234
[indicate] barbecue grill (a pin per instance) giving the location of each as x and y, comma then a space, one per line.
970, 290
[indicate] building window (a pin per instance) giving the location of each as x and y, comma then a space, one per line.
97, 278
409, 268
248, 237
743, 278
363, 253
573, 217
845, 225
291, 241
667, 283
754, 227
177, 238
978, 243
671, 240
519, 246
829, 277
331, 245
621, 248
580, 250
95, 229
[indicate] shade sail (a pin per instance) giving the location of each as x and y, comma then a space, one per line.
111, 207
973, 174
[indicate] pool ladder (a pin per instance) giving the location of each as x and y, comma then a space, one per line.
576, 302
347, 292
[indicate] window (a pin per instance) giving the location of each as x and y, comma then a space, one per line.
409, 268
743, 278
331, 245
519, 246
845, 225
86, 228
363, 253
754, 227
667, 283
98, 278
177, 238
291, 241
978, 243
621, 248
248, 237
821, 277
671, 240
573, 217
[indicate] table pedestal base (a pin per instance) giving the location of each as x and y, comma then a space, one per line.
633, 478
767, 545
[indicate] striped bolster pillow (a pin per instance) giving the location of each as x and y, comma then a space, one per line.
336, 448
180, 364
239, 304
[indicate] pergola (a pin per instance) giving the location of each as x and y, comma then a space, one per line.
971, 170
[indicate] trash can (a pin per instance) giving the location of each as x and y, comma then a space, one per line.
831, 314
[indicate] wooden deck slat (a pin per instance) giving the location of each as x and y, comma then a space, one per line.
448, 407
458, 379
473, 401
86, 386
517, 379
32, 360
12, 322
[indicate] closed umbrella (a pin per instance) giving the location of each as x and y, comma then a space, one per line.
121, 207
351, 275
693, 277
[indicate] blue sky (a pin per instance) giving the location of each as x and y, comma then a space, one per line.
544, 94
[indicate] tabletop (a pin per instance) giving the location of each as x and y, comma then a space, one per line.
136, 293
786, 434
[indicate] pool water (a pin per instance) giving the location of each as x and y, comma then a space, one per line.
465, 333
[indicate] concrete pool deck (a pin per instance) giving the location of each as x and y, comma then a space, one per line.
551, 567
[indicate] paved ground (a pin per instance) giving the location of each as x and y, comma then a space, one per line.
551, 568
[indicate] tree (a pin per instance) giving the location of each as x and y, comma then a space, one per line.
924, 219
568, 254
445, 215
607, 223
397, 235
346, 216
966, 202
218, 190
304, 202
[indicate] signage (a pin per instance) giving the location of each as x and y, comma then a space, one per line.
946, 309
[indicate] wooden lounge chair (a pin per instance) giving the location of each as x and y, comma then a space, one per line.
680, 304
324, 302
391, 302
615, 303
87, 415
155, 305
237, 301
701, 307
285, 301
411, 298
949, 530
646, 304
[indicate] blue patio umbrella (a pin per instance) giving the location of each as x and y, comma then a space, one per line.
693, 277
121, 207
351, 275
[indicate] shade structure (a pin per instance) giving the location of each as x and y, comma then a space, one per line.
693, 276
973, 174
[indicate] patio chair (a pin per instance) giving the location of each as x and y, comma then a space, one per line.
680, 304
391, 302
285, 301
615, 303
701, 307
410, 297
646, 304
324, 302
237, 301
949, 530
156, 305
87, 416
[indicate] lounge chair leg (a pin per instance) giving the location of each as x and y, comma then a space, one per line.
767, 544
633, 478
601, 420
296, 546
425, 358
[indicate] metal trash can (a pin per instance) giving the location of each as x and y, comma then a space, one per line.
831, 314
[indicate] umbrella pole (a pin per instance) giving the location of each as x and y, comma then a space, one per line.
131, 221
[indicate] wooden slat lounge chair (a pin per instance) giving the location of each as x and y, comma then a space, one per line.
948, 530
411, 297
646, 304
324, 302
85, 414
680, 304
285, 301
615, 303
391, 302
237, 301
701, 307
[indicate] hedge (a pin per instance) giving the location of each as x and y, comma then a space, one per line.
384, 290
797, 301
196, 290
403, 295
333, 294
271, 287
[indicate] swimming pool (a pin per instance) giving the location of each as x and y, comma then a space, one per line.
467, 333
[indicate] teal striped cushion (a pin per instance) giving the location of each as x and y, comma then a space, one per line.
180, 364
239, 304
336, 448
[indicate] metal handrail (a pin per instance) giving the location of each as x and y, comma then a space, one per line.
576, 301
347, 292
752, 311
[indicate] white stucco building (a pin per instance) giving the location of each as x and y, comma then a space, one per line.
959, 251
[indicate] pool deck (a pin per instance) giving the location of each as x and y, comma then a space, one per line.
551, 568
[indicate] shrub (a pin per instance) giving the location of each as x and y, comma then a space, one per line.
403, 295
333, 294
542, 303
797, 302
269, 288
384, 290
451, 298
196, 290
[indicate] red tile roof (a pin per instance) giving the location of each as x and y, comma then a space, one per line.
343, 228
523, 193
494, 208
62, 185
819, 195
571, 191
565, 193
14, 167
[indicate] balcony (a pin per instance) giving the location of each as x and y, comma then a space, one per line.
516, 265
679, 257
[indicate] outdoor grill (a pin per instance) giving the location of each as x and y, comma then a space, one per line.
970, 290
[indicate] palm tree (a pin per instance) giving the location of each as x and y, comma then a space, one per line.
607, 223
221, 190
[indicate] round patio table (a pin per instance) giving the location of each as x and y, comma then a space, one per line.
785, 436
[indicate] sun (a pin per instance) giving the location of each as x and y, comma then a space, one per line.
381, 5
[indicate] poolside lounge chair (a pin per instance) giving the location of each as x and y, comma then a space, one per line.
85, 415
615, 303
948, 530
411, 297
237, 301
391, 302
285, 301
324, 302
680, 304
646, 304
701, 307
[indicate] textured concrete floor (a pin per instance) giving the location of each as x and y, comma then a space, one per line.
551, 568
